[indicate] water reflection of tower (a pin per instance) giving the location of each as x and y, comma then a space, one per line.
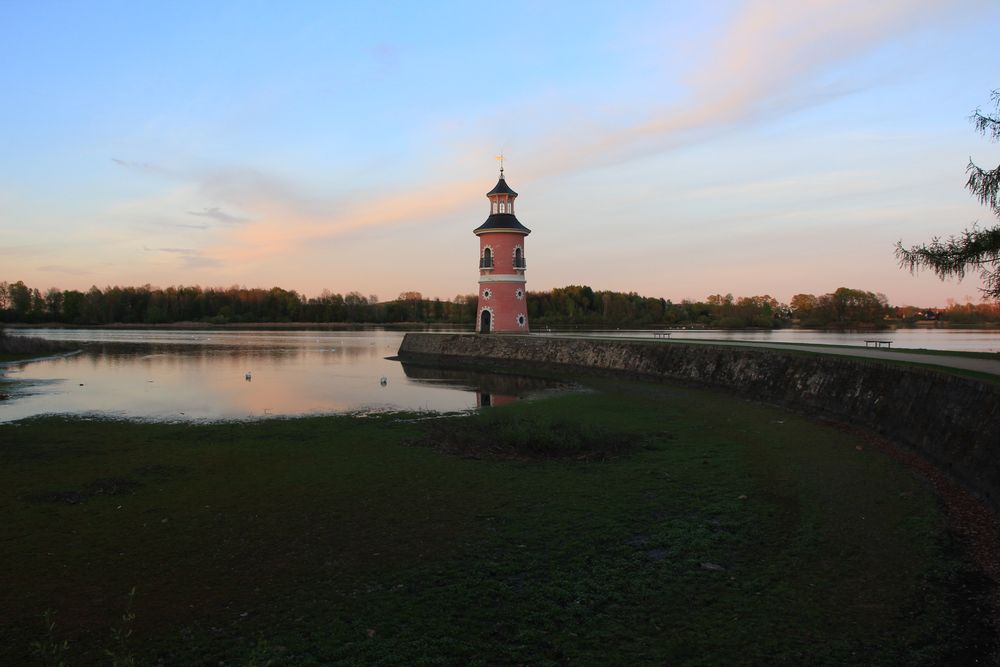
503, 304
485, 399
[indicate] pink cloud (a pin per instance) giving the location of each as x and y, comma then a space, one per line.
768, 60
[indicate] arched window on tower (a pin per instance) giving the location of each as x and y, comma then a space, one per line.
486, 261
518, 258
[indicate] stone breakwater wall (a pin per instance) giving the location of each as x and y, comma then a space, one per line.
951, 420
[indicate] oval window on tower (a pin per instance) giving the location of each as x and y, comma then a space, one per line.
519, 293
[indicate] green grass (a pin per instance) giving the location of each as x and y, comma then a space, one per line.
736, 533
501, 435
949, 353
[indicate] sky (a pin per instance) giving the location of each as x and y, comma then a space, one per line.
674, 149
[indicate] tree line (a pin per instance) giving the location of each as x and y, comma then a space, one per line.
571, 306
218, 305
582, 306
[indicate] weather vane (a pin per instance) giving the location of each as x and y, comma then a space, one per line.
500, 157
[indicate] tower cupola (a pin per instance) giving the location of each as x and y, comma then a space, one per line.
502, 209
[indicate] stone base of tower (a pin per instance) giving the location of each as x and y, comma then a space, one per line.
503, 308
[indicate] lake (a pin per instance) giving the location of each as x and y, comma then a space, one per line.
202, 375
955, 340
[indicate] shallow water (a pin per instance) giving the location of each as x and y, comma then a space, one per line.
195, 375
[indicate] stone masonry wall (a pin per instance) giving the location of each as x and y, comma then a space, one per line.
952, 421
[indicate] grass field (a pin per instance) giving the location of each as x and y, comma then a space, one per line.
713, 531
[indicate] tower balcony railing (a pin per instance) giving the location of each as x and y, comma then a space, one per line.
519, 263
485, 262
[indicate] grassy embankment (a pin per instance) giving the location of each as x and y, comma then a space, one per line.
681, 527
24, 348
19, 348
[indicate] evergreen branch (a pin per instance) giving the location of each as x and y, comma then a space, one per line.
985, 124
972, 249
984, 185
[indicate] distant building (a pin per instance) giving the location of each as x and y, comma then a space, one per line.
503, 302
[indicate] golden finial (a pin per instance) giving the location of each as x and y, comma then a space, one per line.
500, 157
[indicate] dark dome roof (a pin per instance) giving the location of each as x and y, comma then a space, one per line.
502, 222
501, 188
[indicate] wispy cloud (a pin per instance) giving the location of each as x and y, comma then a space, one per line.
191, 258
218, 215
144, 167
137, 213
27, 249
174, 251
770, 60
63, 268
126, 163
766, 62
201, 262
283, 225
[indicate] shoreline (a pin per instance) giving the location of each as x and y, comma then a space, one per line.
28, 360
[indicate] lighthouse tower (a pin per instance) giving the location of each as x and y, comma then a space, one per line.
503, 303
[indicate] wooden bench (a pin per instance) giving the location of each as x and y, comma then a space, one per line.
878, 343
661, 334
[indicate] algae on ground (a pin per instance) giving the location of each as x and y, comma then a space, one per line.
735, 533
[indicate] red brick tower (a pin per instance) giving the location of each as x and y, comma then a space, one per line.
503, 303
